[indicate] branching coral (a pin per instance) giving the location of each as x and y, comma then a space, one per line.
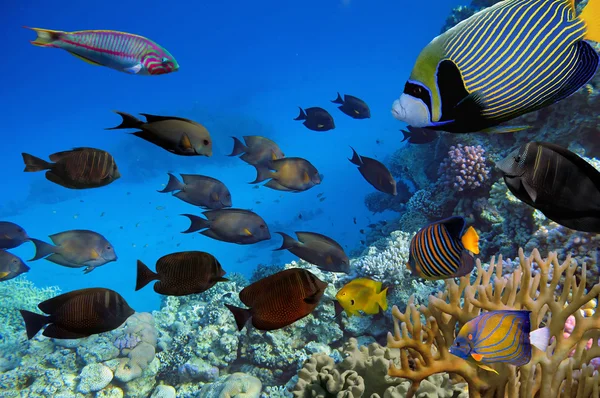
424, 346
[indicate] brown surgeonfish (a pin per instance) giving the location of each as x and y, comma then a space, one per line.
557, 182
11, 235
199, 190
182, 273
316, 119
79, 168
279, 300
289, 174
353, 106
256, 150
375, 173
177, 135
317, 249
11, 266
230, 225
76, 249
78, 314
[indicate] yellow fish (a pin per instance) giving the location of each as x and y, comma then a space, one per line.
362, 294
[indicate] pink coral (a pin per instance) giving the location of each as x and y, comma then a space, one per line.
569, 326
465, 168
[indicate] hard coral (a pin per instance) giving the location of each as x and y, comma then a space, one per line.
465, 168
549, 374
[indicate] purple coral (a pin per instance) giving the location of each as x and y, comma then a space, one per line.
128, 340
465, 168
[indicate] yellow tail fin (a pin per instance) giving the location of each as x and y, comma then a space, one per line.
470, 240
45, 37
591, 16
382, 299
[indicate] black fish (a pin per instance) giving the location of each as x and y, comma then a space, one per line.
352, 106
317, 249
383, 222
375, 173
199, 190
183, 273
317, 119
557, 182
419, 135
11, 266
354, 220
11, 235
322, 199
362, 231
77, 314
230, 225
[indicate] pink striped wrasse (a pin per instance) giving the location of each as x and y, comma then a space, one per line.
124, 52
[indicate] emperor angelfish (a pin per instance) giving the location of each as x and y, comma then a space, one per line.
505, 61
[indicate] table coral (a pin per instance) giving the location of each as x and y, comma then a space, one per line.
424, 346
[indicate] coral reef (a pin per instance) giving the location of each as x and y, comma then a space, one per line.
465, 168
424, 345
235, 385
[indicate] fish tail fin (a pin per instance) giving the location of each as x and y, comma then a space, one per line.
173, 185
262, 173
382, 299
197, 223
540, 338
302, 115
238, 147
241, 315
42, 249
591, 16
288, 242
470, 240
355, 158
406, 135
45, 37
33, 322
144, 275
33, 163
338, 100
129, 122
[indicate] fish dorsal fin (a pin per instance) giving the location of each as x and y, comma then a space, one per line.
307, 236
84, 59
51, 305
376, 285
190, 178
157, 118
589, 170
56, 157
530, 190
455, 226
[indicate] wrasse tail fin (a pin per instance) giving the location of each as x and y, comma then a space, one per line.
45, 37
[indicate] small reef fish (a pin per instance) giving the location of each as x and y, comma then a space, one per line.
375, 173
76, 249
555, 181
11, 266
290, 174
177, 135
353, 107
418, 135
78, 314
199, 190
11, 235
180, 274
230, 225
499, 336
317, 249
443, 250
256, 150
507, 60
121, 51
80, 168
316, 119
279, 300
362, 294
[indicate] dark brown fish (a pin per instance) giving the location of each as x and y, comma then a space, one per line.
77, 314
375, 173
316, 119
372, 225
290, 174
183, 273
11, 235
230, 225
257, 150
419, 135
353, 106
317, 249
79, 168
354, 219
557, 182
177, 135
11, 266
199, 190
279, 300
322, 199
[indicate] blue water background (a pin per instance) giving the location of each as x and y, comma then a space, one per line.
245, 67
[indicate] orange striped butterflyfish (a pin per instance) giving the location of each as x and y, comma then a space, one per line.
507, 60
499, 336
443, 250
121, 51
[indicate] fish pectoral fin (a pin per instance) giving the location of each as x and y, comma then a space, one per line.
471, 105
313, 299
356, 112
134, 69
329, 260
4, 274
320, 126
273, 155
94, 254
484, 367
306, 178
477, 357
530, 190
84, 59
184, 142
247, 232
215, 196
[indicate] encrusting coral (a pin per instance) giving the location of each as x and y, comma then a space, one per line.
554, 373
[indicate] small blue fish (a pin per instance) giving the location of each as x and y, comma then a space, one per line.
499, 336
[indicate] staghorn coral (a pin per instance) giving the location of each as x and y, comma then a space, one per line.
424, 346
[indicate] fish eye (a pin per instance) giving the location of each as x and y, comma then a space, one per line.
457, 344
351, 302
165, 60
262, 226
206, 142
517, 159
108, 247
